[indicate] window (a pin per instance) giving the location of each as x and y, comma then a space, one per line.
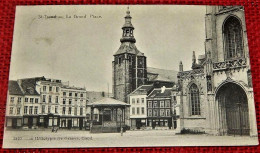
162, 112
174, 98
75, 111
63, 110
44, 98
64, 101
194, 99
44, 88
36, 110
142, 110
69, 110
50, 88
155, 104
150, 112
233, 38
64, 93
168, 112
76, 94
70, 101
142, 100
150, 104
18, 110
137, 100
11, 110
19, 100
81, 95
30, 109
133, 110
57, 89
43, 109
31, 100
57, 99
36, 100
70, 94
119, 60
81, 102
155, 112
81, 111
56, 109
133, 100
49, 109
161, 104
167, 103
50, 98
137, 110
26, 100
130, 59
12, 100
25, 109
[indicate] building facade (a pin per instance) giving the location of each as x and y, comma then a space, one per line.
216, 96
73, 107
138, 108
42, 103
153, 107
14, 105
159, 108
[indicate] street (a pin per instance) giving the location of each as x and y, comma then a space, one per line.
72, 139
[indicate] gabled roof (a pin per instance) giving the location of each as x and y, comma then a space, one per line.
29, 85
142, 90
156, 74
108, 102
14, 88
162, 78
128, 47
157, 93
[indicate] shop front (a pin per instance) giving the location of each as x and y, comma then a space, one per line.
159, 123
14, 122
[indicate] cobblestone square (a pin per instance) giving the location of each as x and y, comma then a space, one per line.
72, 139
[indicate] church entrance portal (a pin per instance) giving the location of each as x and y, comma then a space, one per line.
233, 110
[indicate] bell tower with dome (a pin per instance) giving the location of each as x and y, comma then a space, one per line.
129, 65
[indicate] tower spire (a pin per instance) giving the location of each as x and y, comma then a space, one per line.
180, 67
128, 29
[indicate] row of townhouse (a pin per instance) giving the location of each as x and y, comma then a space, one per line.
40, 102
153, 107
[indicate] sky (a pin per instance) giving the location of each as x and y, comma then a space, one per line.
80, 50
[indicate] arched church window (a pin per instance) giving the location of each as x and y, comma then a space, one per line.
194, 100
233, 38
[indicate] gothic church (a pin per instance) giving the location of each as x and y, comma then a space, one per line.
216, 96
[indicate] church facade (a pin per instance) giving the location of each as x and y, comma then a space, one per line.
216, 95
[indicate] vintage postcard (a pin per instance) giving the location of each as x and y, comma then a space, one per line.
129, 76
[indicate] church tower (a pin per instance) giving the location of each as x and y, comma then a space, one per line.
129, 65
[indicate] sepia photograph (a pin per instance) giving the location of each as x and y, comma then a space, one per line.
90, 76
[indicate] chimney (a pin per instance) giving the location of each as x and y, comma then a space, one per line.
193, 58
163, 89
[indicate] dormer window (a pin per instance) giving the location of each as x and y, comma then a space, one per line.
30, 90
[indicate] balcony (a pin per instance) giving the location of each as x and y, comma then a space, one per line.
230, 64
187, 74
